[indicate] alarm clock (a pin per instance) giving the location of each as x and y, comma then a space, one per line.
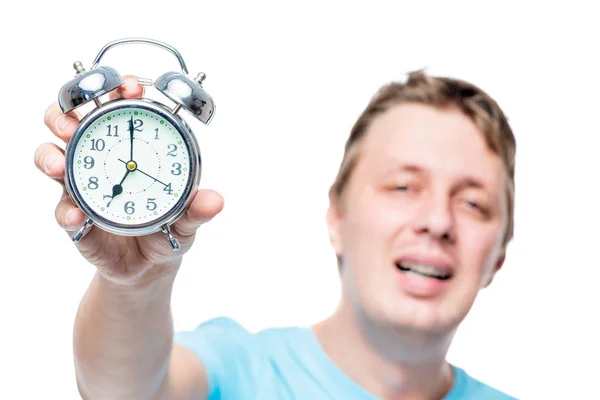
133, 165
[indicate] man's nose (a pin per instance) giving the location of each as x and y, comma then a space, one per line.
435, 217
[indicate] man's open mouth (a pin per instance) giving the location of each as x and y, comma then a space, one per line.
427, 271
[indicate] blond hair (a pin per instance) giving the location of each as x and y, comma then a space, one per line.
439, 92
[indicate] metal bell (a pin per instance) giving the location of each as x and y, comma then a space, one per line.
187, 94
88, 86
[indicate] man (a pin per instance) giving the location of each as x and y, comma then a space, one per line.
420, 216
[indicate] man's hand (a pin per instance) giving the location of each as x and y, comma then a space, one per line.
121, 259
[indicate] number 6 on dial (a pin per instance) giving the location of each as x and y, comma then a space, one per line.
133, 166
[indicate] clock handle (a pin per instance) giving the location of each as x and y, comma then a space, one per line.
141, 41
184, 91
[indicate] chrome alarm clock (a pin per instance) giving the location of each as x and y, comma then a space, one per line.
133, 165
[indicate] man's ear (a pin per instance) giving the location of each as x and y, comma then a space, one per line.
334, 221
499, 262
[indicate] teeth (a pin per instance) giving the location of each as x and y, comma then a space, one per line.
425, 270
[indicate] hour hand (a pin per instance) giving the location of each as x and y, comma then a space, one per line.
116, 190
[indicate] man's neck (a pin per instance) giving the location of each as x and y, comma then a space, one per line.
390, 364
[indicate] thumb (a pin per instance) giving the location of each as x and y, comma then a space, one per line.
204, 207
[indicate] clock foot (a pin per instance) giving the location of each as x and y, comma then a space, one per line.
172, 240
77, 236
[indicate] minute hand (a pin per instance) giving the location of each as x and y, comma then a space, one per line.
149, 176
131, 138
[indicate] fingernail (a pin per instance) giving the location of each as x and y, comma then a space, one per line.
68, 217
48, 112
49, 162
61, 122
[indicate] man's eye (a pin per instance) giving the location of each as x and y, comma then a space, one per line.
477, 207
402, 188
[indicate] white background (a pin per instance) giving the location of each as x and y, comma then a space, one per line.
289, 80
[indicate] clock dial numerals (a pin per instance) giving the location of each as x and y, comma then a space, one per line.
126, 191
151, 204
93, 183
98, 144
89, 162
114, 129
177, 169
129, 207
109, 197
137, 125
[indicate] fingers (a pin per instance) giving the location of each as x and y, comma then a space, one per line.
205, 206
68, 215
130, 89
50, 159
62, 125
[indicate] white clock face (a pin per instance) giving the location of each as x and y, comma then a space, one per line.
131, 166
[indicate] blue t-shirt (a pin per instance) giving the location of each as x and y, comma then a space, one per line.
286, 363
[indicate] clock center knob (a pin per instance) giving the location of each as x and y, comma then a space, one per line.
131, 165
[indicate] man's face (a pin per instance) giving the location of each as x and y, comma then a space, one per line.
421, 222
